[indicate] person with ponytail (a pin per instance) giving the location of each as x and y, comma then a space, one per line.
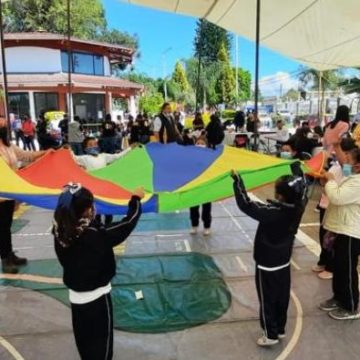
12, 155
84, 248
279, 220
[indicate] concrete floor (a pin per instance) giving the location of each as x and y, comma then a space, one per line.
36, 327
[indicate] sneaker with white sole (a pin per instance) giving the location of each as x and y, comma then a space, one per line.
329, 305
281, 336
207, 232
265, 341
194, 230
318, 268
342, 314
325, 275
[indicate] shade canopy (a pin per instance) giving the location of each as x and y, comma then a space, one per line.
323, 34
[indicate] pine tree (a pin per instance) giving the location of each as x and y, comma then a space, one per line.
179, 77
226, 83
209, 39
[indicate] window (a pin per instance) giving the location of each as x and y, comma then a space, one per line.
89, 107
64, 61
83, 63
45, 102
98, 65
19, 104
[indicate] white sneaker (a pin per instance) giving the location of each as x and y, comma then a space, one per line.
282, 336
207, 232
194, 230
264, 341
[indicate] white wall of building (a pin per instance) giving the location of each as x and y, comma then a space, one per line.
29, 59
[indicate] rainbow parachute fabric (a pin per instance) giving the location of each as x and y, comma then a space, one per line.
174, 177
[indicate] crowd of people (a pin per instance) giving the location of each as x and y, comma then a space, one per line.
88, 269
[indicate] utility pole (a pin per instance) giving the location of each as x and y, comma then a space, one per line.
257, 48
197, 93
320, 98
6, 94
237, 68
70, 99
164, 71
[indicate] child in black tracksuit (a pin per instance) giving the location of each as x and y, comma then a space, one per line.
278, 223
84, 248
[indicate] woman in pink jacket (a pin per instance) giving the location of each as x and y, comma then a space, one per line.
336, 129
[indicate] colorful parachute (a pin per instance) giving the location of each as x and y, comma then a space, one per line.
174, 177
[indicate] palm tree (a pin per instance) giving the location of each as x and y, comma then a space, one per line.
308, 76
330, 80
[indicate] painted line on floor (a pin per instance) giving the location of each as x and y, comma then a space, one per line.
120, 249
13, 352
310, 224
297, 331
237, 224
295, 265
21, 211
32, 234
187, 246
33, 278
309, 243
241, 263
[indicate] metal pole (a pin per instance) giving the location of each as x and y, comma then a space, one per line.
6, 94
237, 69
320, 99
197, 94
70, 102
164, 71
257, 48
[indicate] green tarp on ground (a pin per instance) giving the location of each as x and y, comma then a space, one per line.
179, 290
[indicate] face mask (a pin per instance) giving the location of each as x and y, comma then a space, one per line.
347, 169
93, 151
285, 155
310, 135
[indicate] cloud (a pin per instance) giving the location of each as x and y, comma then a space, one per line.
270, 85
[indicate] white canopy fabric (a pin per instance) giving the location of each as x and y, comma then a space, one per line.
323, 34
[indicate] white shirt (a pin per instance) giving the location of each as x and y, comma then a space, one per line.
282, 135
91, 162
85, 297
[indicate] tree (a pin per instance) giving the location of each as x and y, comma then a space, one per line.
310, 78
292, 95
87, 19
87, 16
352, 85
226, 82
114, 36
209, 39
208, 77
151, 103
244, 83
179, 77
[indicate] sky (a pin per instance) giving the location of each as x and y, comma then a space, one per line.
166, 38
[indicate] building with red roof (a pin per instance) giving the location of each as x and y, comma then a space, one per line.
37, 72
